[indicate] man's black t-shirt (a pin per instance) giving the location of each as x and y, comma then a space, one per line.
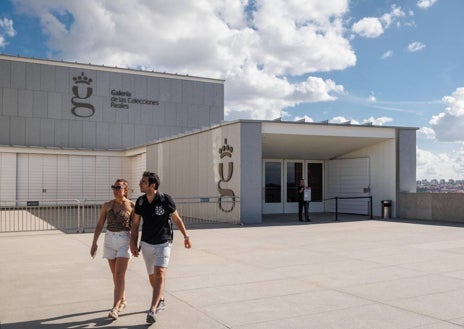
156, 227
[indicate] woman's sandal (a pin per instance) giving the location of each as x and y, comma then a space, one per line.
114, 313
122, 305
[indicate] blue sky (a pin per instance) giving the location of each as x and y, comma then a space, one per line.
393, 63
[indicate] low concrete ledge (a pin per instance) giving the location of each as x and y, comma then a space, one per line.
432, 206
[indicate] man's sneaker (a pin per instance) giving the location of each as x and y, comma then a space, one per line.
122, 305
113, 314
161, 306
151, 316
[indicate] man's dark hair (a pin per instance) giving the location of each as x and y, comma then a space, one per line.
153, 178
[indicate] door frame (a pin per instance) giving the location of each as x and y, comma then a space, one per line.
284, 206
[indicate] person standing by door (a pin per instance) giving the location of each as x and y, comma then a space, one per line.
302, 203
157, 210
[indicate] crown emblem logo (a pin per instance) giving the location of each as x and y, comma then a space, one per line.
82, 79
226, 150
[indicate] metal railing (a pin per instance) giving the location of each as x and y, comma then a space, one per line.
82, 216
337, 198
21, 216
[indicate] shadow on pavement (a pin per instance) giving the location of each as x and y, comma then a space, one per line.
71, 321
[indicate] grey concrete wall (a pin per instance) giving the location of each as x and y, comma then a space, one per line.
251, 173
406, 141
431, 206
190, 166
38, 105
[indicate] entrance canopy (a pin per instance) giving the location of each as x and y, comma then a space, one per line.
295, 140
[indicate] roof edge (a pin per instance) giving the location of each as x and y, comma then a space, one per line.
108, 68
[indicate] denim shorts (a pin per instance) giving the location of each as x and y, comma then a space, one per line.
116, 245
156, 255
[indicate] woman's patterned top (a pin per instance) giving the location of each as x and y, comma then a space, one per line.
118, 216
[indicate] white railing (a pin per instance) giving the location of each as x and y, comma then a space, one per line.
81, 216
20, 216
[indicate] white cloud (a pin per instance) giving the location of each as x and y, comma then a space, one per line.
305, 118
449, 125
415, 46
253, 50
424, 4
395, 14
374, 121
253, 92
342, 119
387, 54
455, 103
368, 27
6, 30
426, 133
432, 165
373, 27
378, 121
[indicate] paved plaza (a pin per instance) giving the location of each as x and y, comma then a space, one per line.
350, 274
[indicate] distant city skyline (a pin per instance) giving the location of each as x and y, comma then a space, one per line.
440, 186
391, 63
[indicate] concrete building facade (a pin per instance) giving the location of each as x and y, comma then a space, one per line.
68, 130
260, 163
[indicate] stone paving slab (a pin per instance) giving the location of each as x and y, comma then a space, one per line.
347, 274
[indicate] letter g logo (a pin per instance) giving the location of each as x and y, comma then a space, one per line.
82, 109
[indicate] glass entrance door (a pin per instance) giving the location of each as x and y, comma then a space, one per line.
281, 180
272, 187
314, 179
293, 174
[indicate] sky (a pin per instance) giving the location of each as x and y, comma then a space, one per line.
389, 63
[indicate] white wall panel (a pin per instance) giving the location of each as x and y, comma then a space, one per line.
75, 177
40, 176
35, 177
62, 178
49, 177
102, 179
88, 178
22, 178
348, 178
382, 172
7, 176
138, 166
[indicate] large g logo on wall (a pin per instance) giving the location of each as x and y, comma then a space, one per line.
226, 151
82, 91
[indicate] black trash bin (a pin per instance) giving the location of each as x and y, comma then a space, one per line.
386, 208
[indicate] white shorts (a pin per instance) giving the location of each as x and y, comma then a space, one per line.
156, 255
116, 245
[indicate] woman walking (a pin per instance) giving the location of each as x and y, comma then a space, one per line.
116, 213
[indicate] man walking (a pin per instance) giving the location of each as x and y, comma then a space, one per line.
157, 210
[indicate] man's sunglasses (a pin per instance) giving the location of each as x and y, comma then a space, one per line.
117, 187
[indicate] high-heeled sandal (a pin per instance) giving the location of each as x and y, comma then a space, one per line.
114, 313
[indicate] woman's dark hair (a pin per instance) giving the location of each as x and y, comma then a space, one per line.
153, 178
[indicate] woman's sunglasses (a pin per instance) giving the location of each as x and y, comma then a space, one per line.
117, 187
